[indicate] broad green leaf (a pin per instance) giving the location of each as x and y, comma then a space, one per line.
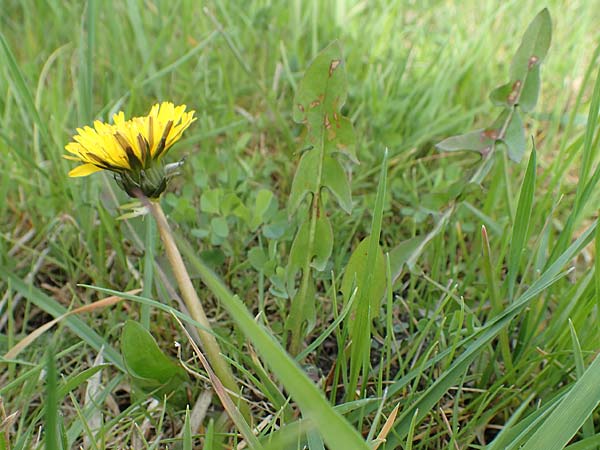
401, 253
478, 141
321, 94
257, 258
219, 226
354, 276
305, 181
525, 67
263, 201
308, 314
144, 358
342, 139
317, 104
500, 95
514, 137
534, 45
231, 204
321, 246
336, 181
505, 95
531, 90
210, 201
323, 243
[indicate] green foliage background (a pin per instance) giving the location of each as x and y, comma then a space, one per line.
449, 340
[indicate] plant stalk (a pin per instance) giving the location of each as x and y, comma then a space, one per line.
194, 306
300, 299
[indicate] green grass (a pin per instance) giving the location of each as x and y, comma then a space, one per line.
482, 342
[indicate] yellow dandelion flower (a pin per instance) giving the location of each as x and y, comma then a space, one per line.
132, 149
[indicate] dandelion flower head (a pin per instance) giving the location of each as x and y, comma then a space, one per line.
131, 149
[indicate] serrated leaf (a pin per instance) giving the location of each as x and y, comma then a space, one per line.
334, 179
308, 315
341, 138
514, 138
478, 141
534, 46
505, 95
401, 253
143, 357
317, 105
354, 276
300, 251
305, 180
321, 93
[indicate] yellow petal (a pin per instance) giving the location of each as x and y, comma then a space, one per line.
73, 147
84, 170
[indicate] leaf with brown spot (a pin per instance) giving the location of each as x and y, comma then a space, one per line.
320, 96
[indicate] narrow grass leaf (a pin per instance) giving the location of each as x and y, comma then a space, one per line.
588, 426
521, 224
22, 91
583, 186
52, 307
187, 431
337, 433
51, 404
494, 295
476, 343
572, 412
373, 272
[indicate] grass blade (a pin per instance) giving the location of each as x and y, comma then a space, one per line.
572, 412
481, 339
52, 307
337, 433
52, 441
521, 223
361, 329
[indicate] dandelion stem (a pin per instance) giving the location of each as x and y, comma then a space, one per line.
193, 304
